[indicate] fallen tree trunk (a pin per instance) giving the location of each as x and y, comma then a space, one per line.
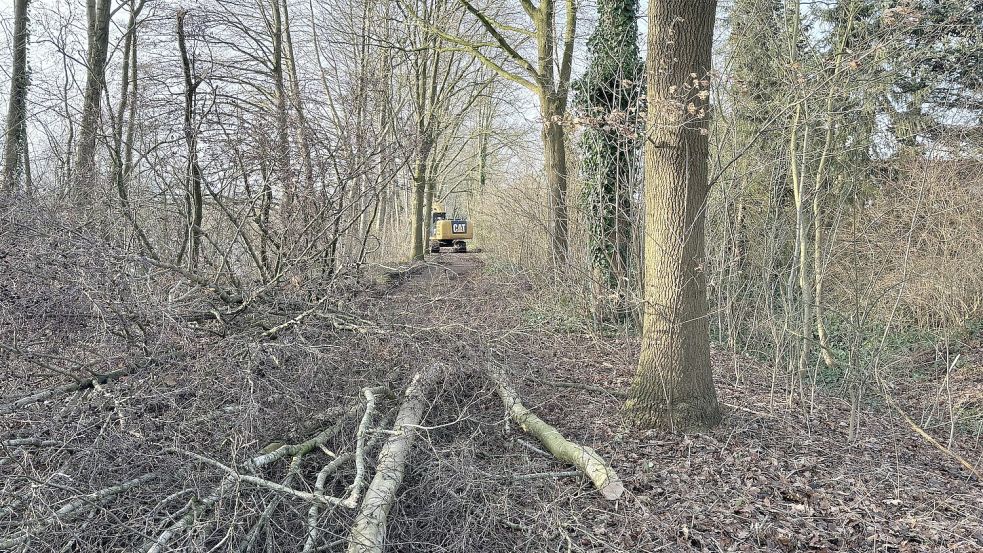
368, 533
582, 457
313, 530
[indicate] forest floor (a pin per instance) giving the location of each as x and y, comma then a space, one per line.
770, 477
215, 390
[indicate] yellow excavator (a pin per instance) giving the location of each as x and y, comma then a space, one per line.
449, 233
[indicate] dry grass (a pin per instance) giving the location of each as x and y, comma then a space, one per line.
921, 238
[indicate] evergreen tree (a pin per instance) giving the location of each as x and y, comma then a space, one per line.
937, 92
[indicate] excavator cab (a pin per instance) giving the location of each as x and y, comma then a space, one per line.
446, 232
436, 216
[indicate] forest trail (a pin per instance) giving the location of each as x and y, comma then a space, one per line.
435, 273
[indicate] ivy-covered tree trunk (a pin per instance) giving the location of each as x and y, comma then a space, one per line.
15, 146
673, 387
607, 97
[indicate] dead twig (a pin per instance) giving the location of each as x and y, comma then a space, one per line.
73, 508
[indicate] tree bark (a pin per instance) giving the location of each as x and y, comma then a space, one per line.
369, 530
553, 105
99, 19
420, 224
555, 157
428, 202
673, 386
193, 185
15, 147
485, 119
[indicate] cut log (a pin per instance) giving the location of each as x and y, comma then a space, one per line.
368, 534
580, 456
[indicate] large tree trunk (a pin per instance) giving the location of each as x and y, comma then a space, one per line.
99, 19
420, 223
673, 387
552, 102
555, 157
15, 147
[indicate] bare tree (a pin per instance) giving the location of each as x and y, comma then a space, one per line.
445, 84
99, 16
548, 78
193, 185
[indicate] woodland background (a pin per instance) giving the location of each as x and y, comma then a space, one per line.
208, 214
